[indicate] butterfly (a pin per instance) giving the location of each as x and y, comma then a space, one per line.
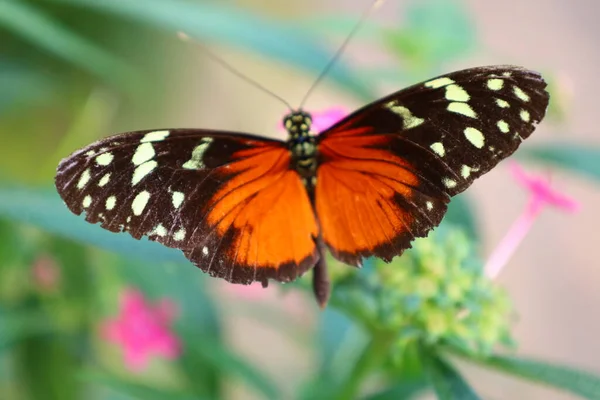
247, 208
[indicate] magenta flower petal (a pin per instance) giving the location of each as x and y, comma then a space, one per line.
46, 273
142, 330
132, 301
541, 189
322, 120
111, 331
135, 359
541, 194
168, 347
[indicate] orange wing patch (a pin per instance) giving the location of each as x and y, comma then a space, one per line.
367, 198
263, 214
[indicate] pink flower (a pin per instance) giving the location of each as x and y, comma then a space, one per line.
142, 330
45, 273
321, 120
541, 195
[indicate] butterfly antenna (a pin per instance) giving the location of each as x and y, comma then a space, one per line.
376, 4
186, 38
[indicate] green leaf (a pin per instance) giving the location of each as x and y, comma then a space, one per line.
46, 367
406, 389
582, 159
568, 379
182, 283
135, 390
461, 213
16, 325
446, 381
44, 209
340, 346
435, 31
25, 20
23, 84
207, 350
178, 279
239, 27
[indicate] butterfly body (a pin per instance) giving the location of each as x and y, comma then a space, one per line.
246, 208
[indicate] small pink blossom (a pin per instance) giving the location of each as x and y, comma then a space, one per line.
143, 330
541, 194
322, 120
45, 273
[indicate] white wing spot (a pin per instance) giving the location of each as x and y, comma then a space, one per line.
140, 201
520, 94
155, 136
438, 148
159, 230
143, 153
179, 235
456, 93
408, 119
178, 198
502, 103
503, 126
143, 170
495, 84
104, 159
84, 179
507, 74
525, 115
439, 82
110, 202
205, 250
449, 183
129, 219
87, 201
474, 136
462, 108
429, 205
104, 180
196, 162
465, 171
90, 153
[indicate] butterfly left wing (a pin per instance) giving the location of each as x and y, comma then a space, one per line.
229, 201
386, 173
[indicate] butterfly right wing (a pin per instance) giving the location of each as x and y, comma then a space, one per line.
387, 171
228, 201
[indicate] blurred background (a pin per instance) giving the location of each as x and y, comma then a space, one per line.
73, 71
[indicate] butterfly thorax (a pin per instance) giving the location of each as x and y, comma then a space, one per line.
301, 143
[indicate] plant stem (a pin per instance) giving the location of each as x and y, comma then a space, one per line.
372, 357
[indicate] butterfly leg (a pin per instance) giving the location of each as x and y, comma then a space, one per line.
321, 283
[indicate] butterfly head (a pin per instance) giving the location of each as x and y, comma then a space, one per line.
297, 124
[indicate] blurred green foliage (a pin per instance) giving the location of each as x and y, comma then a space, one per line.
72, 69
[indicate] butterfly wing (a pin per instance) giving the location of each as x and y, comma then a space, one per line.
224, 199
387, 172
